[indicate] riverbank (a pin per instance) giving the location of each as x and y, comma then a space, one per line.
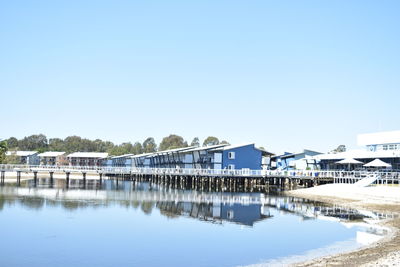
385, 199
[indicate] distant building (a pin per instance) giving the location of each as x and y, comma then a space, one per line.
53, 158
87, 159
381, 145
381, 141
294, 161
25, 157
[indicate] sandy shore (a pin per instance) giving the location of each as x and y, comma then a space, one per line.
386, 199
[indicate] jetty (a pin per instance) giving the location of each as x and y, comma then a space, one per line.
198, 179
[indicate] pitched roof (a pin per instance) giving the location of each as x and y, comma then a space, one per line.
205, 148
51, 154
87, 155
21, 153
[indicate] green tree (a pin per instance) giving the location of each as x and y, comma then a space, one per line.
195, 142
12, 143
33, 142
339, 149
210, 141
224, 142
3, 150
56, 144
137, 148
172, 141
12, 159
149, 145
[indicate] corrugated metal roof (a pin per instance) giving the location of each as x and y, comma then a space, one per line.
205, 148
142, 155
228, 147
21, 153
174, 150
87, 155
123, 156
51, 154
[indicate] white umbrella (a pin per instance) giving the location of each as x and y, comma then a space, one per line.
349, 161
377, 163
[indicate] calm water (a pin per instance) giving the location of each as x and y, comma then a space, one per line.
135, 224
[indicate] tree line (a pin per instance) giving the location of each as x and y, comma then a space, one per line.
40, 143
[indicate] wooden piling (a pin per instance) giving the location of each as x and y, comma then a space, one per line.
18, 178
3, 177
51, 179
67, 179
35, 178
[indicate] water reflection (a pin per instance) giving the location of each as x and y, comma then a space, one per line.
142, 224
215, 207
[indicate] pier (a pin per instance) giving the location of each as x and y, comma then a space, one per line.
198, 179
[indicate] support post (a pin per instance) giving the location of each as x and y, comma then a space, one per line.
51, 179
3, 175
84, 179
35, 178
67, 179
18, 178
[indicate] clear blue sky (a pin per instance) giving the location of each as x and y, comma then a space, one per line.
284, 74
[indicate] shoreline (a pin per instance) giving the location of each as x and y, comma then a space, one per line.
384, 252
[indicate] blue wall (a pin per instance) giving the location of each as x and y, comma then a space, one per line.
245, 157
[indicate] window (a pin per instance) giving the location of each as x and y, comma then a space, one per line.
231, 167
231, 155
391, 147
385, 147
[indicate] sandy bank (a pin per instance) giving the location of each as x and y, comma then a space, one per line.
375, 198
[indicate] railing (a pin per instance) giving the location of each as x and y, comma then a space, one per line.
308, 174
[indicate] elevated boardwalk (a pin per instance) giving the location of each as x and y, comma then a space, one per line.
204, 177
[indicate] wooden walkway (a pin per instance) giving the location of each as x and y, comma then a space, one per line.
175, 176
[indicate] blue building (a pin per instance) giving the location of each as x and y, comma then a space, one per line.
238, 157
221, 156
292, 161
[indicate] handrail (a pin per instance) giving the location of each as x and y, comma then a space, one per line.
312, 174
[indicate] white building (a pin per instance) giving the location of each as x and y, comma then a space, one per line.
381, 141
381, 145
52, 158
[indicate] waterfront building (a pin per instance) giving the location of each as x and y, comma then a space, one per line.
381, 145
25, 157
221, 156
53, 158
87, 159
294, 161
